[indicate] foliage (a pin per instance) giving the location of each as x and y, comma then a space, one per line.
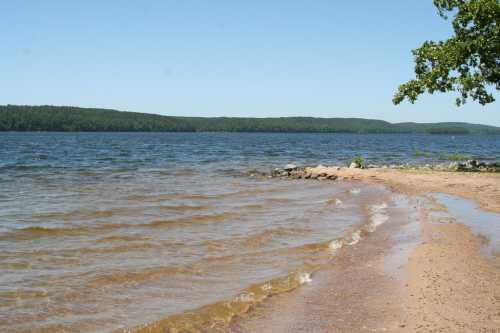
448, 130
468, 62
458, 157
62, 118
421, 153
359, 161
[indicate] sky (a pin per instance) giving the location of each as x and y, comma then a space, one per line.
259, 58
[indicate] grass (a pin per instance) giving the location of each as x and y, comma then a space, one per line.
421, 153
458, 157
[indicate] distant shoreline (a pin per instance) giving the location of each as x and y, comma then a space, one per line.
249, 132
46, 118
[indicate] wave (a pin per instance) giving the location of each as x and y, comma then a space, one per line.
123, 238
124, 277
12, 297
35, 232
218, 315
268, 235
15, 265
334, 201
354, 238
184, 172
278, 200
336, 244
200, 196
26, 167
354, 191
184, 207
378, 216
253, 206
190, 220
80, 214
30, 233
166, 197
70, 256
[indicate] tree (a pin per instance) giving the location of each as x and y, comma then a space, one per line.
468, 62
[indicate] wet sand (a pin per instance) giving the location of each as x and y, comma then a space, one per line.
362, 291
432, 278
483, 188
452, 288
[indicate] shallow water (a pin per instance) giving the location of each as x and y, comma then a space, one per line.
102, 231
119, 255
485, 225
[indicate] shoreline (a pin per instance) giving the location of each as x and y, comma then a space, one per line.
359, 291
481, 187
448, 284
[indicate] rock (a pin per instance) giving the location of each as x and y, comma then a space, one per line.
471, 164
354, 165
296, 174
440, 167
276, 172
453, 166
290, 167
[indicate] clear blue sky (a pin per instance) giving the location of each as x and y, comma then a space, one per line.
326, 58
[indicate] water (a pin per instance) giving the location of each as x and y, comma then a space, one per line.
483, 224
108, 231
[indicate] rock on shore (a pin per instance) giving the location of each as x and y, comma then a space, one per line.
321, 172
292, 171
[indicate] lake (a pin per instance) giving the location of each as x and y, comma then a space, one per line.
107, 231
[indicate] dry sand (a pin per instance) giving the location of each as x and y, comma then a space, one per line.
447, 285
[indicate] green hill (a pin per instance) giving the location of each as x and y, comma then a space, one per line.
66, 119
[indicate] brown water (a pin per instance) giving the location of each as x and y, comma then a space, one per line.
106, 257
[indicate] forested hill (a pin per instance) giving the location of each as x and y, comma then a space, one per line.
62, 118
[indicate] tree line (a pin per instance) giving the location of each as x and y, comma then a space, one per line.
72, 119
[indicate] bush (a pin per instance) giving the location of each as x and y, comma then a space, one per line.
359, 161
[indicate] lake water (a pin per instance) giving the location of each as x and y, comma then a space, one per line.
107, 231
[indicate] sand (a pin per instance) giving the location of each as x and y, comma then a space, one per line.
484, 188
439, 283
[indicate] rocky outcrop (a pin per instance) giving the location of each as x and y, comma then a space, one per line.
321, 172
292, 171
475, 165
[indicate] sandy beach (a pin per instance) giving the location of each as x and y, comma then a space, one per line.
424, 276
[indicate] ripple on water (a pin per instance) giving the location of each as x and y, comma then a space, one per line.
158, 248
